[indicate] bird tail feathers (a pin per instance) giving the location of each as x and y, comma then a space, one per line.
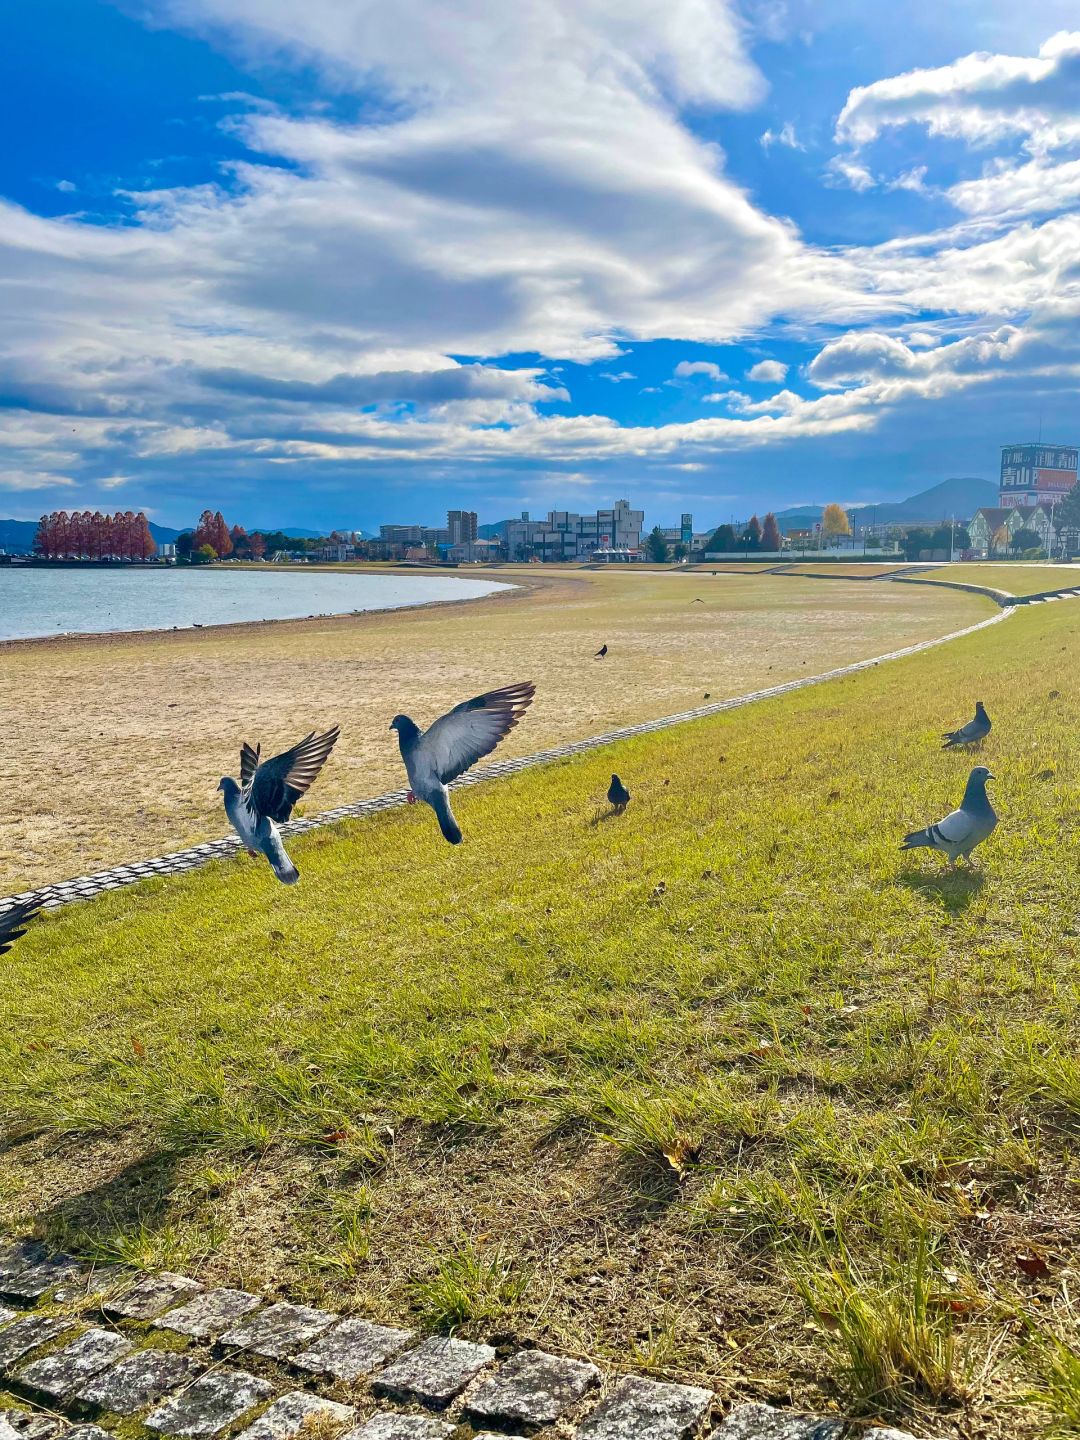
918, 840
280, 863
447, 824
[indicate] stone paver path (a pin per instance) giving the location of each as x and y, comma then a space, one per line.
381, 1379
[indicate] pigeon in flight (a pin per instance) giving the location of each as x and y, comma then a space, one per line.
13, 923
969, 734
446, 749
600, 653
960, 832
618, 795
267, 792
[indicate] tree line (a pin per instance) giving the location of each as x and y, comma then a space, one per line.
82, 535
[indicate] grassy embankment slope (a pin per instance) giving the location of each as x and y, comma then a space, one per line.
727, 1087
113, 745
1020, 578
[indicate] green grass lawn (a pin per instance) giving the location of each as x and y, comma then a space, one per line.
1012, 579
727, 1088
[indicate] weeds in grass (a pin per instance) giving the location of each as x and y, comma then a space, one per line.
471, 1284
1059, 1391
896, 1345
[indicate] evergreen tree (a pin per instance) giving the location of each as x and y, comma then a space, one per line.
722, 539
657, 546
751, 536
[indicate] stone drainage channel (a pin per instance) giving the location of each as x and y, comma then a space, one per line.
85, 887
162, 1356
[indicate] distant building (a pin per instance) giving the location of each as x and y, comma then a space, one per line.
428, 536
460, 526
566, 535
988, 527
1036, 474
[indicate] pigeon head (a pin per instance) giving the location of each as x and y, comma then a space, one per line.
981, 774
405, 727
229, 786
980, 708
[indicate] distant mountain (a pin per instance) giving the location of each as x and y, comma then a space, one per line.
295, 533
490, 532
17, 536
959, 497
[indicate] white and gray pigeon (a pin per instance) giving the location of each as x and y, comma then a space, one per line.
971, 733
959, 833
13, 922
446, 749
267, 792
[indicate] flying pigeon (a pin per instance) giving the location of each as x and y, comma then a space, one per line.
446, 749
618, 795
960, 832
975, 730
267, 792
13, 923
600, 653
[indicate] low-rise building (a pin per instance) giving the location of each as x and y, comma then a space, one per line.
993, 529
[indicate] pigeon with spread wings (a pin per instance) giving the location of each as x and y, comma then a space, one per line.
448, 748
267, 792
13, 922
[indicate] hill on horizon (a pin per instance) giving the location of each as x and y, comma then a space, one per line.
958, 497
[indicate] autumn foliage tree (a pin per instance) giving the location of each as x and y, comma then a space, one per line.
751, 536
770, 533
83, 535
212, 530
834, 521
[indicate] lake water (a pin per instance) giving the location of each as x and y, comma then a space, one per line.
36, 602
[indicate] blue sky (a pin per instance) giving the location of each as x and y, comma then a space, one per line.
346, 262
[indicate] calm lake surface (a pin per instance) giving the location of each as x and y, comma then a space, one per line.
35, 602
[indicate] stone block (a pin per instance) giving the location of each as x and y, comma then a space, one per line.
29, 1425
287, 1414
764, 1422
401, 1427
139, 1380
640, 1409
352, 1349
532, 1388
213, 1402
33, 1281
211, 1313
148, 1297
435, 1371
27, 1334
58, 1374
280, 1330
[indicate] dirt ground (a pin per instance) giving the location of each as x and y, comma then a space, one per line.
114, 744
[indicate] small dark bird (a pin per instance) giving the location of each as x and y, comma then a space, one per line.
972, 733
618, 795
698, 600
447, 748
600, 653
960, 832
708, 695
267, 792
13, 923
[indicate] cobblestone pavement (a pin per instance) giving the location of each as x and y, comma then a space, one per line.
97, 1349
85, 887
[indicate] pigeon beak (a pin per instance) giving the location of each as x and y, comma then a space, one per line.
991, 777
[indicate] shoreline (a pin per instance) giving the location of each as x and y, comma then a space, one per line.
90, 637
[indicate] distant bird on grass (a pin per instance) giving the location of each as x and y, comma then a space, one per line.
13, 923
959, 833
618, 795
267, 792
600, 653
446, 749
972, 733
698, 600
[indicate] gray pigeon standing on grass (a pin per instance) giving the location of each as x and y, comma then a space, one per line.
446, 749
13, 923
267, 792
618, 795
971, 733
959, 833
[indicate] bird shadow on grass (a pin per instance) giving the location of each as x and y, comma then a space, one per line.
606, 815
953, 889
129, 1212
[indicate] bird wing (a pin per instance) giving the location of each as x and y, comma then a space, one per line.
472, 729
955, 828
249, 763
13, 923
966, 732
278, 783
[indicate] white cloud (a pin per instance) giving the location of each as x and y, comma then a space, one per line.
687, 369
784, 136
842, 170
978, 98
618, 378
67, 186
1033, 188
33, 480
913, 179
768, 370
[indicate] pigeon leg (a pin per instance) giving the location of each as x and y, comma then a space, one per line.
410, 798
